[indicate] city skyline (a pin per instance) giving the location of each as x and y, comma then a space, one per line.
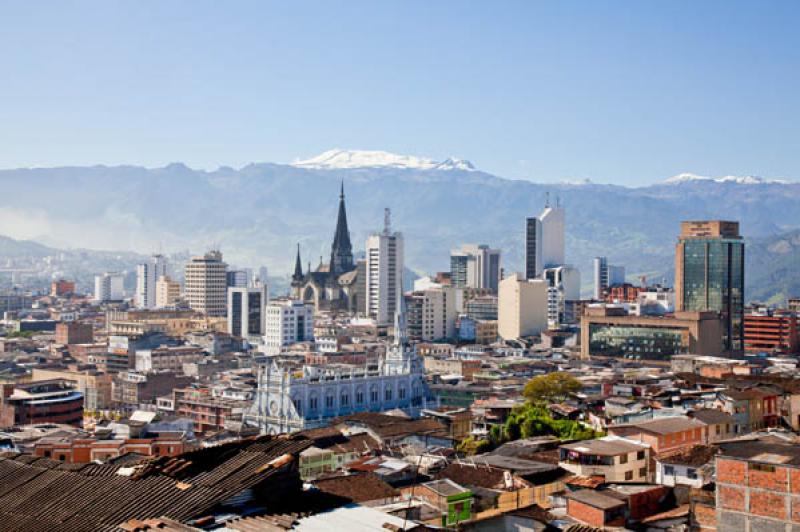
399, 265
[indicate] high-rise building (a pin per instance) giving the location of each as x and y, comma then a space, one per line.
606, 275
263, 274
544, 240
709, 274
431, 313
552, 220
247, 311
109, 286
205, 284
384, 279
287, 321
147, 275
168, 292
533, 247
563, 284
473, 266
238, 278
521, 307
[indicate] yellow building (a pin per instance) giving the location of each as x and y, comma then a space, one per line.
521, 307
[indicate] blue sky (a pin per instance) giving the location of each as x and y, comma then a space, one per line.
619, 92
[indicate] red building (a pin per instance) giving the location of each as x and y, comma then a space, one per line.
623, 293
62, 287
773, 332
51, 401
82, 450
207, 412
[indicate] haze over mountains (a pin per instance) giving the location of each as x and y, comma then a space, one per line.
258, 213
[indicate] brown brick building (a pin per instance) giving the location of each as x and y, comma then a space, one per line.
758, 486
74, 332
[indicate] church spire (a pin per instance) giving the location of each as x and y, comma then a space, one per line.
298, 266
341, 250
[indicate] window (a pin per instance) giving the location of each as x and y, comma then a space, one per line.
643, 472
692, 474
312, 403
345, 399
388, 394
329, 401
762, 467
359, 397
623, 459
373, 395
628, 475
669, 470
640, 455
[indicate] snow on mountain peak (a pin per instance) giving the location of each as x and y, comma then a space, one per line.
739, 180
339, 159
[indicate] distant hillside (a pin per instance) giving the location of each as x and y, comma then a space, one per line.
257, 214
773, 268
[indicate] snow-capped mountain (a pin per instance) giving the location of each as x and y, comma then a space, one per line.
739, 180
437, 205
349, 159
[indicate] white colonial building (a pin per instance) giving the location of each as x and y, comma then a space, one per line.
294, 396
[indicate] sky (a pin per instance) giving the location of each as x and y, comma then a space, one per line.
617, 92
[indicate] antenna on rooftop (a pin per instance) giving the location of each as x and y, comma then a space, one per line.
547, 199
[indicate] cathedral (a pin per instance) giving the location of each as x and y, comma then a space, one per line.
333, 286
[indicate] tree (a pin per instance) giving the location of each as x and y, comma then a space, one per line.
551, 388
513, 430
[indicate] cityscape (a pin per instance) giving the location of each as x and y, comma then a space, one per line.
370, 340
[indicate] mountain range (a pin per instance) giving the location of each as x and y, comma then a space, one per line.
257, 214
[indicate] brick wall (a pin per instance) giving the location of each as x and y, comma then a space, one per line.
731, 471
768, 504
757, 496
585, 514
731, 498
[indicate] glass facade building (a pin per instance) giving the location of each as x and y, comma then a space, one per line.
637, 341
710, 277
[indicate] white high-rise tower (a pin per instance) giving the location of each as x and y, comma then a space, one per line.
384, 269
147, 274
544, 240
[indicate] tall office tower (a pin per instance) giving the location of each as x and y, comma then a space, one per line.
263, 274
168, 292
606, 275
552, 220
287, 321
109, 287
544, 240
521, 307
709, 274
247, 312
384, 268
205, 284
147, 275
533, 247
473, 266
238, 278
431, 313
